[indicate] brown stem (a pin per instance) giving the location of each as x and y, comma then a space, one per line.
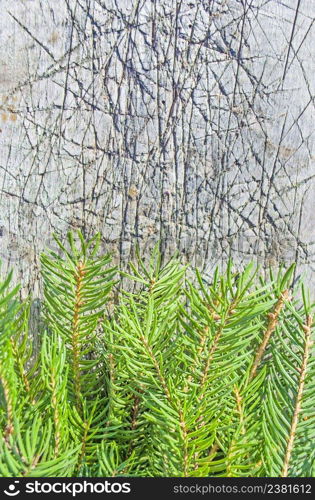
20, 365
111, 372
199, 352
170, 400
185, 441
134, 416
202, 343
239, 406
31, 466
76, 332
298, 402
273, 318
9, 429
56, 416
272, 323
230, 311
157, 368
213, 450
86, 426
134, 413
239, 409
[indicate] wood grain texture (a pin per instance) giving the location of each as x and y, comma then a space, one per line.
188, 122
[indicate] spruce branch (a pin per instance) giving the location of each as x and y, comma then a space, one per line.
298, 402
210, 376
273, 318
79, 274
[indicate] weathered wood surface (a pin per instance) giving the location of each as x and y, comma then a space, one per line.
189, 122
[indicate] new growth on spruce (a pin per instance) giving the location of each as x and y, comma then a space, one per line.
186, 375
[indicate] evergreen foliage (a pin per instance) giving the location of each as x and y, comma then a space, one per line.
181, 377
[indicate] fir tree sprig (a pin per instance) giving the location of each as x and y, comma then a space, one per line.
208, 376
